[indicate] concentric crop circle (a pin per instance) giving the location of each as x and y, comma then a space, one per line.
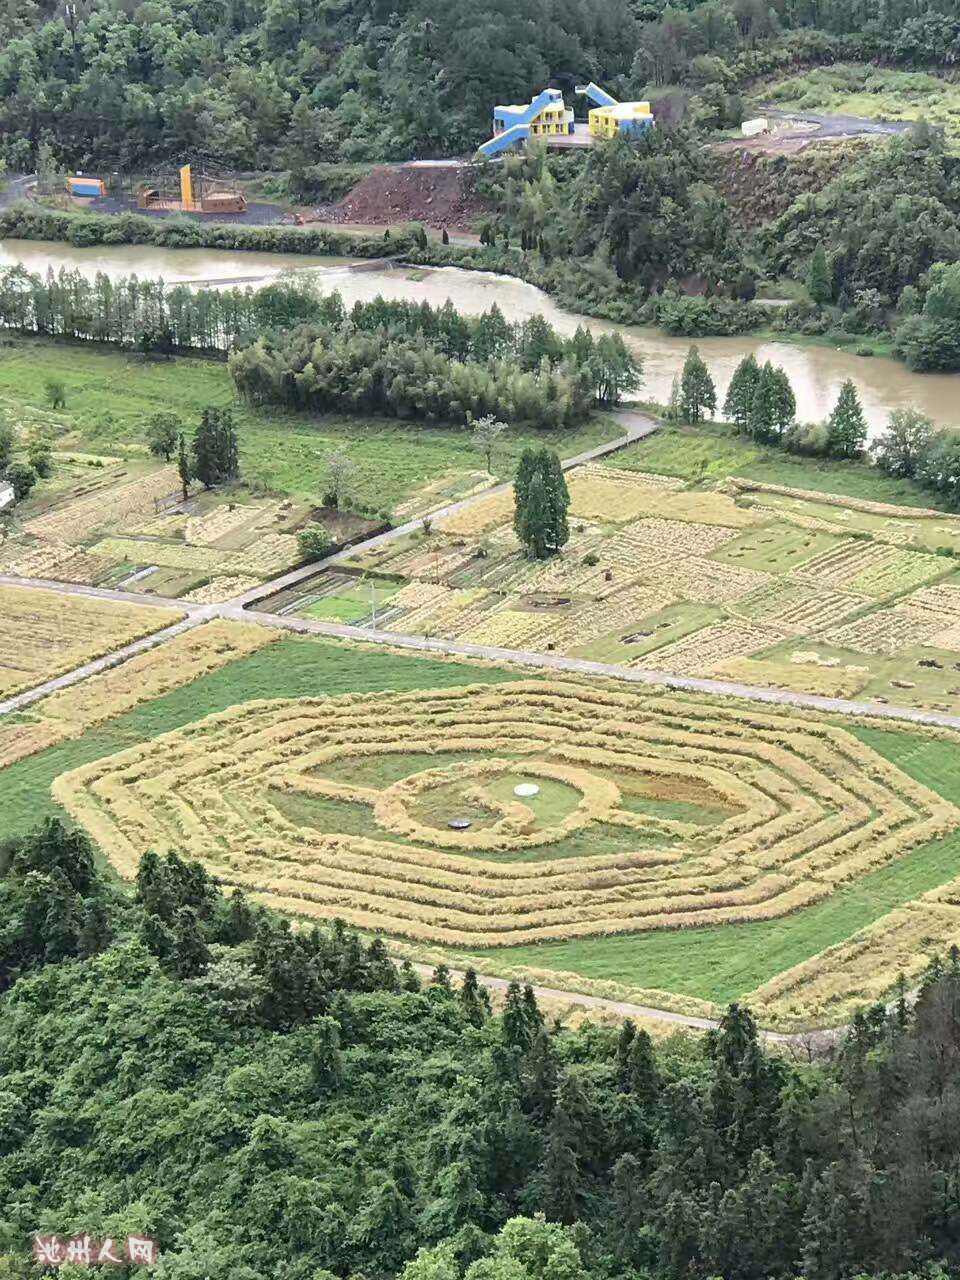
316, 806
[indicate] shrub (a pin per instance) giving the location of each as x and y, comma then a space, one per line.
313, 541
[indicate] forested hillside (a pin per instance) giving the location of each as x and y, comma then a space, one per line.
285, 83
271, 1103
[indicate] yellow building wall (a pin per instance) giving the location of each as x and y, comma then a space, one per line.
604, 123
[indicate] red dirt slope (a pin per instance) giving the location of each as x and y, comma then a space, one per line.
439, 196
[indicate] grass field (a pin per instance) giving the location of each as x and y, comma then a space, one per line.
109, 396
289, 668
714, 452
877, 93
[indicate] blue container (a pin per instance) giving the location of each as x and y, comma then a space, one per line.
86, 187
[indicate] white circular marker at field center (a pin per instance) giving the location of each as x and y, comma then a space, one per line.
526, 789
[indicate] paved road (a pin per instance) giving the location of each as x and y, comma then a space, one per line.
17, 186
828, 126
635, 427
623, 1008
235, 612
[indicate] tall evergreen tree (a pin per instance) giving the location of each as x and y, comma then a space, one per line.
784, 402
846, 426
541, 502
819, 281
761, 420
184, 469
326, 1061
559, 1175
739, 398
215, 447
698, 395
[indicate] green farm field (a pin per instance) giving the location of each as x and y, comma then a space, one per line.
713, 452
110, 395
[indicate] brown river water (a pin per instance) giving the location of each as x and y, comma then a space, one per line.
816, 372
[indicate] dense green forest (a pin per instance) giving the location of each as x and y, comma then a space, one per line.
288, 83
277, 1103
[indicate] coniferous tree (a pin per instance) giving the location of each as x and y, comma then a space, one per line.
641, 1077
846, 426
559, 1175
819, 282
326, 1061
761, 420
190, 954
541, 503
698, 395
739, 398
96, 930
535, 519
215, 448
183, 467
474, 1000
784, 402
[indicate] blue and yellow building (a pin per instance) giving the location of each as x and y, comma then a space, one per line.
547, 117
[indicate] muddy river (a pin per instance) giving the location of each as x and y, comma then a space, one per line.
815, 373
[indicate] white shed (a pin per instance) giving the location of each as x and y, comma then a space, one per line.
7, 495
750, 128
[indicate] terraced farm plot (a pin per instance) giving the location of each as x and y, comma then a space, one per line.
128, 502
43, 634
752, 568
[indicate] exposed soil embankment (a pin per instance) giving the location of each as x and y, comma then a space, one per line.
437, 195
759, 185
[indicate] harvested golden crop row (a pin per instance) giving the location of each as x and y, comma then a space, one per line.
480, 515
886, 632
178, 662
710, 581
627, 478
704, 650
595, 497
43, 634
679, 537
57, 561
81, 517
901, 570
171, 555
202, 530
19, 740
841, 565
799, 607
220, 589
840, 681
837, 500
858, 971
940, 603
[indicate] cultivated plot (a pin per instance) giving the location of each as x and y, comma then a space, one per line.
43, 634
751, 582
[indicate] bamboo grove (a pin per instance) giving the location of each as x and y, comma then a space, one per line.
292, 346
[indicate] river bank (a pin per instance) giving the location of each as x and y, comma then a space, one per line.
816, 371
